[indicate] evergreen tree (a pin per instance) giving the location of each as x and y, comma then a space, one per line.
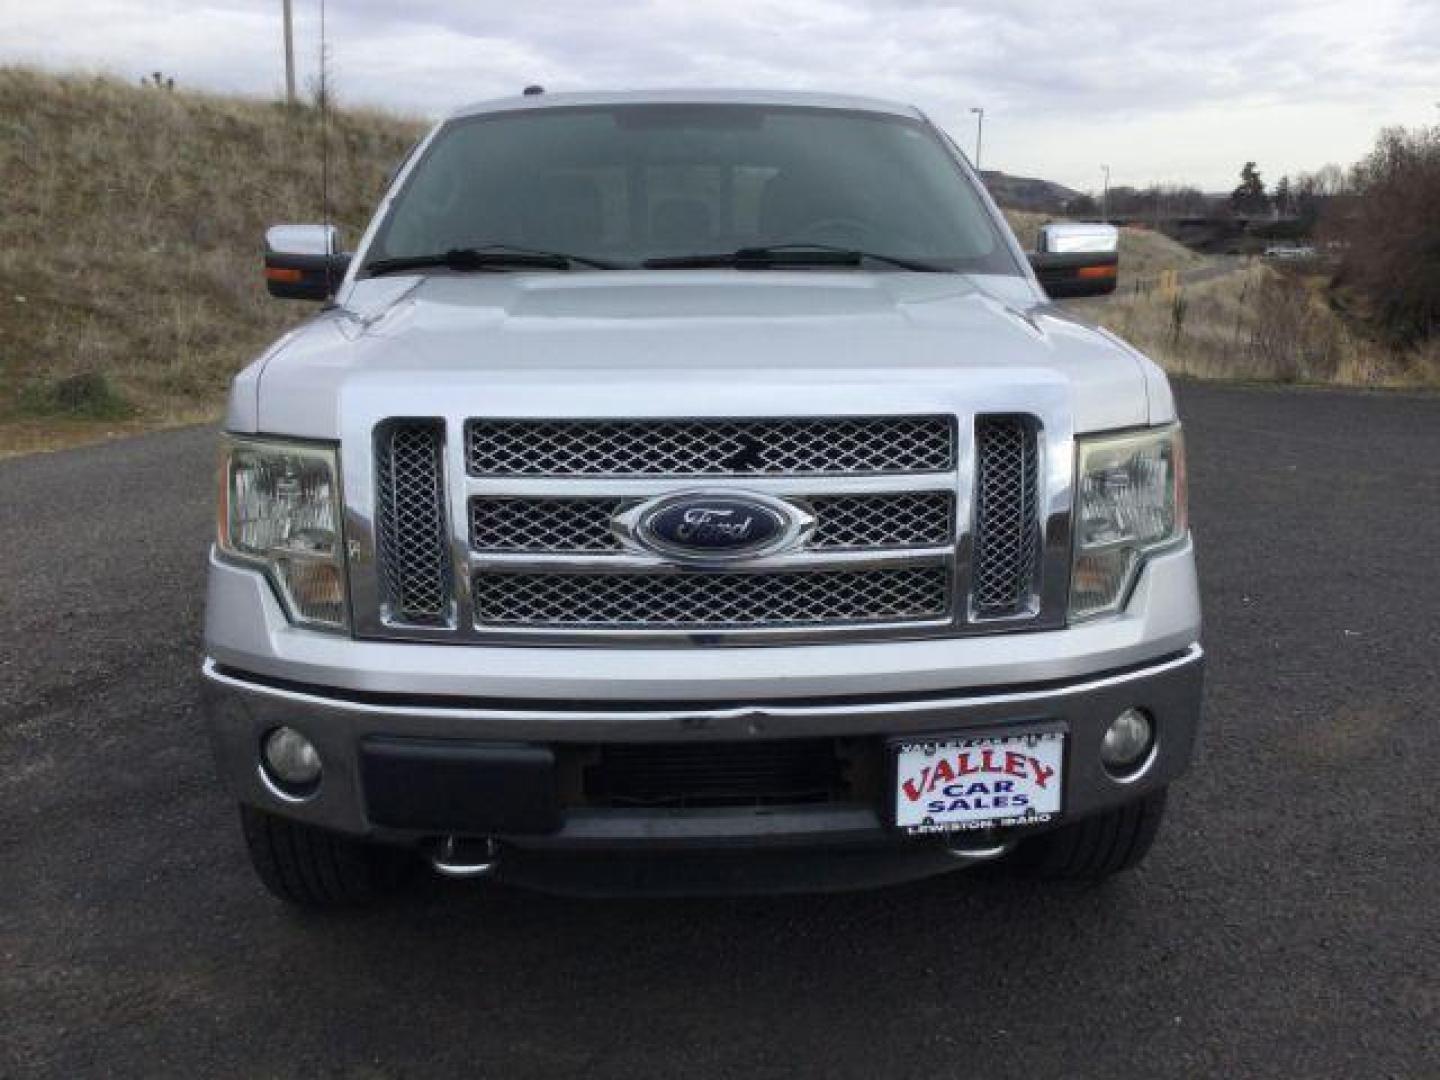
1250, 198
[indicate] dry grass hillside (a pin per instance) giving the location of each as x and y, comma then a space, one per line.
130, 232
1248, 321
1262, 323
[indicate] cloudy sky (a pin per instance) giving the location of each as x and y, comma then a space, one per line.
1174, 91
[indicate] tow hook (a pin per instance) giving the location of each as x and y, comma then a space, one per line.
461, 857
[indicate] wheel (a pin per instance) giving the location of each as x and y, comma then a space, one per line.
1095, 847
315, 868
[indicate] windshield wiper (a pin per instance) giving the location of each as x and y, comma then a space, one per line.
782, 255
490, 257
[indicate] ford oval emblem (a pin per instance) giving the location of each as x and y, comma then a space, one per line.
714, 526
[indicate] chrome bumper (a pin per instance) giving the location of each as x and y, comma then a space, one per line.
243, 706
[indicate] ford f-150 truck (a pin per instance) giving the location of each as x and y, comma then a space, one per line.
697, 492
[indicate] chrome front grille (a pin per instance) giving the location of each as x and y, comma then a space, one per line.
810, 446
875, 522
505, 530
699, 602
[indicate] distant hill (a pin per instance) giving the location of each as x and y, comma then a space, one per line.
1027, 192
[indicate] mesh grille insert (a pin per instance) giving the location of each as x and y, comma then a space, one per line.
1007, 532
541, 525
900, 520
711, 601
796, 447
570, 525
415, 575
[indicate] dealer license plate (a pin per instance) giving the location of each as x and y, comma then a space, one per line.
978, 782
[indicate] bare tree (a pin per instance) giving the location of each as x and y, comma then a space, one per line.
1391, 232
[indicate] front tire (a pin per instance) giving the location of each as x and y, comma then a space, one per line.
316, 869
1096, 847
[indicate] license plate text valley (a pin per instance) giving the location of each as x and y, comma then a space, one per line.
961, 794
979, 781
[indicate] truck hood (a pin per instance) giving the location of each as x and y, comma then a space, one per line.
693, 343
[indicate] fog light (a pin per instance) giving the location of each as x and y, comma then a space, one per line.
292, 761
1127, 740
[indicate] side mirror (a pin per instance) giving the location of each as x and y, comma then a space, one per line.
302, 262
1077, 258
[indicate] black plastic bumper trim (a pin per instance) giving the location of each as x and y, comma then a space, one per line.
458, 786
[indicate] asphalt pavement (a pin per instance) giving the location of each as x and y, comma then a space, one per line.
1286, 924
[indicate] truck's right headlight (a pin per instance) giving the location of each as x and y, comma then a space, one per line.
280, 510
1130, 503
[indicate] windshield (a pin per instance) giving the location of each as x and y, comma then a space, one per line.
626, 184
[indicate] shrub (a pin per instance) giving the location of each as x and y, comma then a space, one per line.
87, 395
1288, 341
1390, 233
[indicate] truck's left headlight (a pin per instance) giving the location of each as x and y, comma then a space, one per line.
1130, 503
280, 509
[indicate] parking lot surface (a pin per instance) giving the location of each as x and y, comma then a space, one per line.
1286, 924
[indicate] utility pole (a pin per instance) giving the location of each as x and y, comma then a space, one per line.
979, 134
1105, 195
289, 56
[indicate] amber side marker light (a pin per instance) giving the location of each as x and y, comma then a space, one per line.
1092, 272
284, 274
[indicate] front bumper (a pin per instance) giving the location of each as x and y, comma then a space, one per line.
243, 707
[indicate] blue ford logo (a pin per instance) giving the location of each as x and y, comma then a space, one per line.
711, 526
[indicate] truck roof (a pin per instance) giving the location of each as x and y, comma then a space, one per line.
689, 97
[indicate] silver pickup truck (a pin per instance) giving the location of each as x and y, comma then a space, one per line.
697, 492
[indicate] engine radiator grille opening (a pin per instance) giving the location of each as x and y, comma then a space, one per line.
711, 601
806, 446
1007, 518
692, 776
416, 581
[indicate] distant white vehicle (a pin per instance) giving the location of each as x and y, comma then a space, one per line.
1079, 236
1290, 251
